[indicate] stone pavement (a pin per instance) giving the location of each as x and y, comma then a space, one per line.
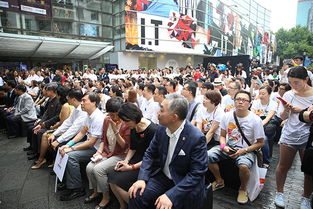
23, 188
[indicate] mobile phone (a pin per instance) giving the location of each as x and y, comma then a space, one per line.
232, 151
282, 100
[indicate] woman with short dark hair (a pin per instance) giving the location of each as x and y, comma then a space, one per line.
126, 171
209, 117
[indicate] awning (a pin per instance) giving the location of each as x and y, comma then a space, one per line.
14, 45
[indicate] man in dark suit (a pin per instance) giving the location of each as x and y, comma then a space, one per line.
172, 173
8, 108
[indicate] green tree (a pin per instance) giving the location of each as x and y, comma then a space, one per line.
294, 42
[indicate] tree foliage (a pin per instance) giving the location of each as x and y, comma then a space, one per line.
294, 41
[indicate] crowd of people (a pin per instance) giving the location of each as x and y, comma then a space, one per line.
151, 136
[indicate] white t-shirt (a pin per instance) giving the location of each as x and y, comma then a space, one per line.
294, 131
207, 119
251, 126
262, 110
274, 98
228, 103
94, 123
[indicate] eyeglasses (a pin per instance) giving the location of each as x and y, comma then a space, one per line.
283, 89
241, 100
231, 88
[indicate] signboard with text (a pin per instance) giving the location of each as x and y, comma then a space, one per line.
36, 7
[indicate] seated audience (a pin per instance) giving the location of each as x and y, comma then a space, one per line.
79, 152
65, 132
126, 171
113, 147
172, 172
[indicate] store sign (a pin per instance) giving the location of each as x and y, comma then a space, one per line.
42, 7
33, 10
4, 4
11, 5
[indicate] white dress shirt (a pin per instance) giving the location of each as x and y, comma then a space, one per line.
171, 147
72, 125
150, 110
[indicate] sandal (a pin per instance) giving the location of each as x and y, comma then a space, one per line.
39, 164
90, 199
216, 186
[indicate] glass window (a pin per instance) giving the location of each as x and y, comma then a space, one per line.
107, 32
91, 4
36, 23
117, 32
89, 30
107, 19
10, 20
117, 45
65, 13
116, 7
107, 7
64, 3
64, 27
88, 16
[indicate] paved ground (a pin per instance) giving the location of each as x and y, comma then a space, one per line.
21, 187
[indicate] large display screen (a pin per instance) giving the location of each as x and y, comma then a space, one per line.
193, 26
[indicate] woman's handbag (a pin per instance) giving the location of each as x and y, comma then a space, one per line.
258, 153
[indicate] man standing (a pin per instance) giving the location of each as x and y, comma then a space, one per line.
82, 151
179, 151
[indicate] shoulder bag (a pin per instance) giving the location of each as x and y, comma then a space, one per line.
258, 153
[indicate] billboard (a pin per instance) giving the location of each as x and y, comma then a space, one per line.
36, 7
192, 26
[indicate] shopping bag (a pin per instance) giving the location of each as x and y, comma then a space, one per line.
256, 181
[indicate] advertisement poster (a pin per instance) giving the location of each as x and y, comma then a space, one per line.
191, 26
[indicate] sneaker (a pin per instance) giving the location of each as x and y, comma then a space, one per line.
305, 203
242, 197
279, 200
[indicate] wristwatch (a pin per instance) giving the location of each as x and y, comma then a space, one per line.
72, 148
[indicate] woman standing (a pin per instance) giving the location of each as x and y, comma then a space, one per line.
126, 171
295, 133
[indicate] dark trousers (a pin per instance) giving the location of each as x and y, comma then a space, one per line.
30, 133
13, 124
155, 187
3, 118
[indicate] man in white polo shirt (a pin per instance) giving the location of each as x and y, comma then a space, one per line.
82, 151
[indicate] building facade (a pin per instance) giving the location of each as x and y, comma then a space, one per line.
303, 12
148, 33
164, 33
